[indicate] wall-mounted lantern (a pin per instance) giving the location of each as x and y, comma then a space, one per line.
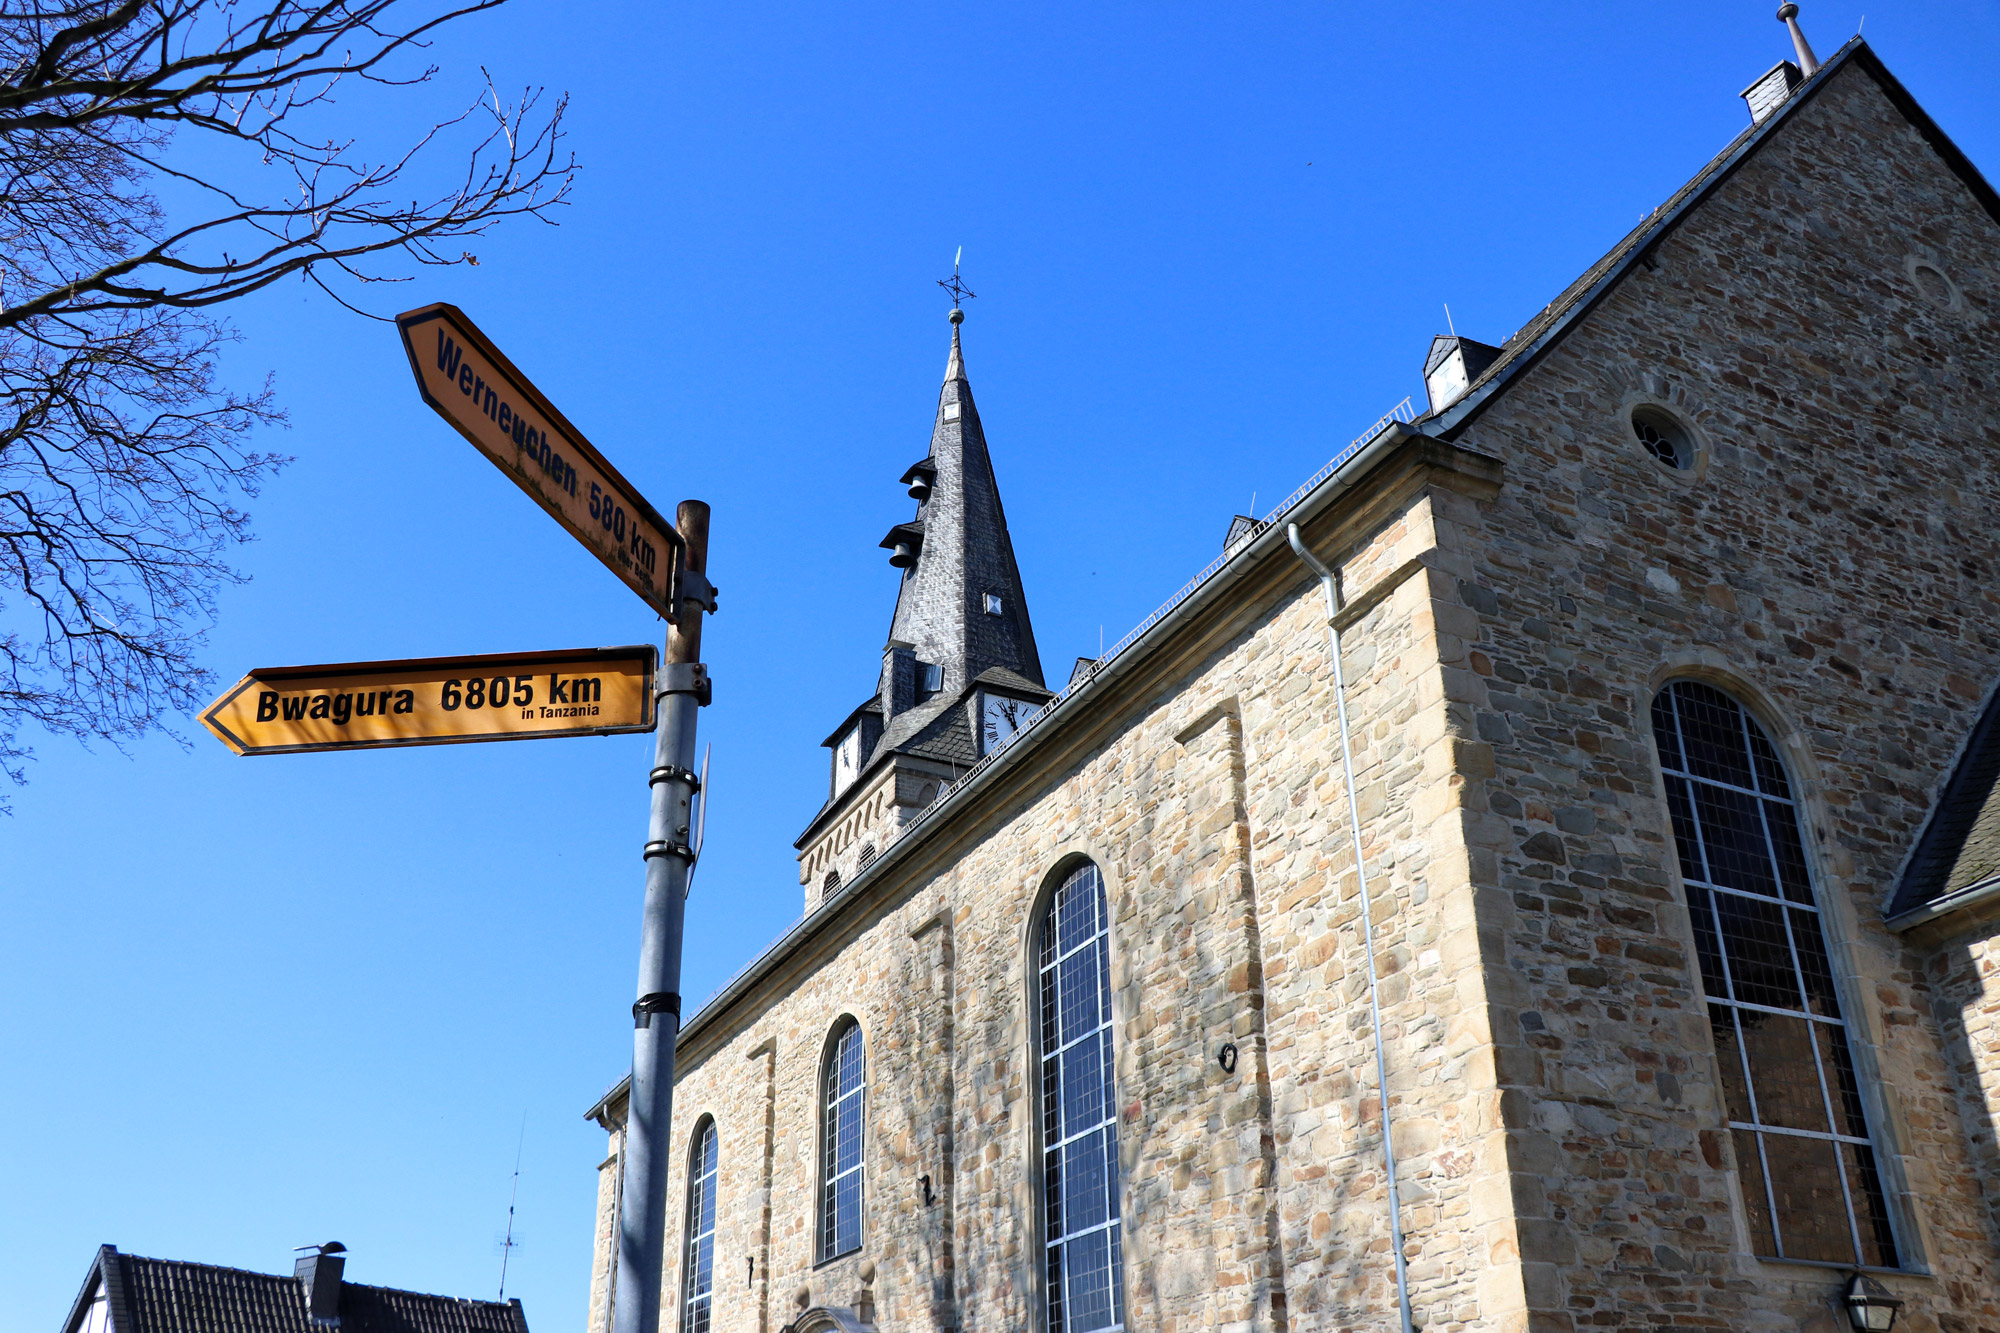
1870, 1306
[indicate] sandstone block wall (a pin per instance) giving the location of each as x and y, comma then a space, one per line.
1831, 562
1212, 801
1963, 972
1512, 605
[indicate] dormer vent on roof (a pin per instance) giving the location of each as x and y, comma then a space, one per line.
1452, 366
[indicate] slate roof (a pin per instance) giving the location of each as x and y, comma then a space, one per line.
1004, 679
942, 733
941, 613
967, 551
945, 727
172, 1296
1959, 851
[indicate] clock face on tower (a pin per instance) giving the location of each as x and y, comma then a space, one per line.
846, 760
999, 718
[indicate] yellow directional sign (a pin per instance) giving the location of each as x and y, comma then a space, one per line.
437, 701
465, 378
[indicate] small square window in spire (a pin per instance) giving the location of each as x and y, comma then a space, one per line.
993, 604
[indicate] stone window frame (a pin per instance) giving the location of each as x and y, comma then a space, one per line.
1842, 930
705, 1129
1954, 294
835, 1031
1060, 869
1667, 403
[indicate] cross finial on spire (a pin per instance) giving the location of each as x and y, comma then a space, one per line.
960, 293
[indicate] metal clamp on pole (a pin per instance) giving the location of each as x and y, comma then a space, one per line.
696, 588
665, 848
668, 773
686, 678
659, 1002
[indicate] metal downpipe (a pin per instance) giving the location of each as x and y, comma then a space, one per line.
1331, 584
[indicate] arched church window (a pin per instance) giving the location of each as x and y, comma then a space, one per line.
1084, 1260
1810, 1184
697, 1304
845, 1096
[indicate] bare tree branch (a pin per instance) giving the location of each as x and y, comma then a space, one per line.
124, 465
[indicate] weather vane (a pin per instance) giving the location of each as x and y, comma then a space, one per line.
960, 293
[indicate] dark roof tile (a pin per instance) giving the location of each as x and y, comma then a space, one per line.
173, 1296
1960, 847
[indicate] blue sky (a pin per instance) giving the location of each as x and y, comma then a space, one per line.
255, 1003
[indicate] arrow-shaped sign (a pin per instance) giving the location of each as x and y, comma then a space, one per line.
437, 701
465, 378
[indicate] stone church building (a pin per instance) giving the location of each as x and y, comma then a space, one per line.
1614, 825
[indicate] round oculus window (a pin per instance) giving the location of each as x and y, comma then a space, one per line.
1933, 284
1664, 438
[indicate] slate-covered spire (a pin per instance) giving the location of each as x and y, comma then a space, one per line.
956, 556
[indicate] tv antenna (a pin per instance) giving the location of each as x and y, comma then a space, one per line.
507, 1245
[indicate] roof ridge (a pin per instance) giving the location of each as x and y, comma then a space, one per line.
1526, 345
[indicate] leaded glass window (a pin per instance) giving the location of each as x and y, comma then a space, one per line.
845, 1097
697, 1306
1085, 1264
1810, 1183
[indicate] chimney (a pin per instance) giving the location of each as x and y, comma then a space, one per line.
899, 678
1782, 79
1452, 366
1770, 91
319, 1268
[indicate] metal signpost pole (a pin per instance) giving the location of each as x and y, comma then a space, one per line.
648, 1145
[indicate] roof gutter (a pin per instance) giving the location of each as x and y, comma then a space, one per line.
601, 1112
1972, 895
1268, 542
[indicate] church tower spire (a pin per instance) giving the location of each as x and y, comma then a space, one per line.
960, 605
960, 670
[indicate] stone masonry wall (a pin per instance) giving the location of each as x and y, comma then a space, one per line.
1831, 562
604, 1238
1964, 975
1214, 806
1564, 1157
